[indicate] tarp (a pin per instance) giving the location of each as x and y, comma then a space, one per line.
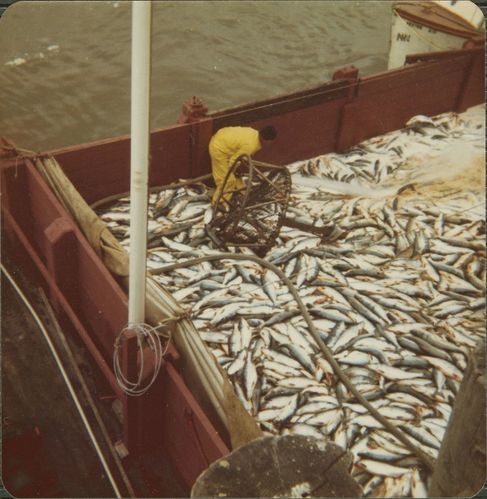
99, 236
204, 376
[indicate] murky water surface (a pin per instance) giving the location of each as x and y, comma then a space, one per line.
65, 66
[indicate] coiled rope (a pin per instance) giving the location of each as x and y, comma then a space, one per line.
147, 337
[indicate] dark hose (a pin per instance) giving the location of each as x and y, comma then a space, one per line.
427, 461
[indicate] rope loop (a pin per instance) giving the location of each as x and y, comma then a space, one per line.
148, 337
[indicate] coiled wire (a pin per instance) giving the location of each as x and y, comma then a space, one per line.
147, 336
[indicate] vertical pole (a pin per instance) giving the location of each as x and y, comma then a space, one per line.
131, 409
139, 157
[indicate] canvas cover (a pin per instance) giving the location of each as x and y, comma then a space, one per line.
203, 375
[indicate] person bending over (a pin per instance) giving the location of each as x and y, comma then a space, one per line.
226, 146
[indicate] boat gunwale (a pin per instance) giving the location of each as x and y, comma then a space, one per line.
348, 86
441, 19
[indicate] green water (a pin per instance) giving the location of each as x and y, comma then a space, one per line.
65, 66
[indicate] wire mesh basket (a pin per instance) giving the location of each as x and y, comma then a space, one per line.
252, 204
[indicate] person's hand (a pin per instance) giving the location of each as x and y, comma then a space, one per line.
242, 167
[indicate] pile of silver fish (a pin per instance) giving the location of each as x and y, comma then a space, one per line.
398, 296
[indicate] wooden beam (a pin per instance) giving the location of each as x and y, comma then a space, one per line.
460, 468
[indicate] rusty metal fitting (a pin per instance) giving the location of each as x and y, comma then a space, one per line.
193, 110
347, 73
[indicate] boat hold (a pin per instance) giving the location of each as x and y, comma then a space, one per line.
331, 118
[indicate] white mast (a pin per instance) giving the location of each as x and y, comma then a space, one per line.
139, 158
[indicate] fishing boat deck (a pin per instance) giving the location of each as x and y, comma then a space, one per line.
334, 118
401, 202
58, 459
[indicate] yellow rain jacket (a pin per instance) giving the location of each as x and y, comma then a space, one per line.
225, 147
